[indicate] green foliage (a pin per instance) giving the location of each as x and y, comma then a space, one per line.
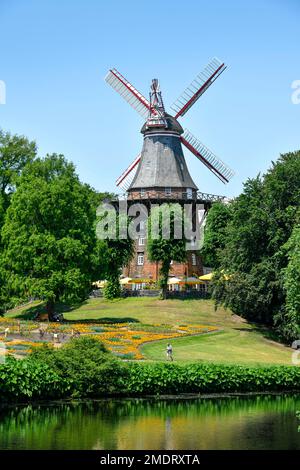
114, 250
48, 236
158, 379
289, 318
15, 152
164, 246
23, 380
2, 210
261, 222
83, 368
112, 289
86, 364
252, 295
215, 234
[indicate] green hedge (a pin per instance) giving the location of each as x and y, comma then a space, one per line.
21, 380
152, 379
84, 368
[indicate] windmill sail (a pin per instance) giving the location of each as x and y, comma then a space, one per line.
128, 92
126, 178
216, 166
198, 86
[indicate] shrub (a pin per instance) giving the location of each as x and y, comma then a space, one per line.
24, 380
88, 366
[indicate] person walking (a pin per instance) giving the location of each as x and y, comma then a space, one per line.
41, 332
169, 352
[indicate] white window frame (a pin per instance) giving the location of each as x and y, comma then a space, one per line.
193, 241
141, 241
140, 259
142, 192
168, 191
194, 259
189, 193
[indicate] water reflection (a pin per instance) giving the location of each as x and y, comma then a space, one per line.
259, 422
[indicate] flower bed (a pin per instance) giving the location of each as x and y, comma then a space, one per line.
123, 339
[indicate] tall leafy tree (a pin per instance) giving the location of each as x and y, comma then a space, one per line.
114, 249
49, 234
215, 234
263, 217
163, 247
288, 319
117, 254
15, 152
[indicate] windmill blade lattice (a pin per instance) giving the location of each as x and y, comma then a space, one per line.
128, 92
126, 178
198, 86
153, 112
219, 168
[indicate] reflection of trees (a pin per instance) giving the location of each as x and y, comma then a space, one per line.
229, 422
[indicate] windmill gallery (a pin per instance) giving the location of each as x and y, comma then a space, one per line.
159, 174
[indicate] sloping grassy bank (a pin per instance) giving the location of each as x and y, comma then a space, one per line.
85, 369
240, 342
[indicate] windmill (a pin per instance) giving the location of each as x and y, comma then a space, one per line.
155, 167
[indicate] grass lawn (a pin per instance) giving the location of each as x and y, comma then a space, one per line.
236, 342
227, 346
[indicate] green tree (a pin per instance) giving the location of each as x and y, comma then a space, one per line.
114, 249
162, 247
1, 210
118, 255
15, 152
262, 220
215, 234
49, 234
289, 318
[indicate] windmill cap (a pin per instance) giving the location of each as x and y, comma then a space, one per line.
172, 125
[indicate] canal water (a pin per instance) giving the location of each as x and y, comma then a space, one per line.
231, 422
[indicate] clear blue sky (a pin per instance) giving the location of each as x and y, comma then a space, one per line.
54, 55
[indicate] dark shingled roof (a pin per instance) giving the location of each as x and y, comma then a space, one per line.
162, 161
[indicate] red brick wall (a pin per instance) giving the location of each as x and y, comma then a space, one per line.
151, 269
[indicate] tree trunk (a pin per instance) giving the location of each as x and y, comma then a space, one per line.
50, 310
164, 292
164, 273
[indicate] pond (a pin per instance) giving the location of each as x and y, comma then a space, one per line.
229, 422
